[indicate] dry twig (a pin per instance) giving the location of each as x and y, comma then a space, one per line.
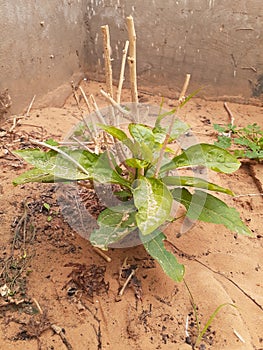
58, 330
30, 106
126, 283
102, 254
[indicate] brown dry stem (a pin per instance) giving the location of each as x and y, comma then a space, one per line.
58, 330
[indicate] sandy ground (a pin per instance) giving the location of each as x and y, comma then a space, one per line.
65, 293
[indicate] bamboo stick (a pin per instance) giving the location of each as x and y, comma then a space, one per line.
132, 59
185, 86
121, 79
107, 58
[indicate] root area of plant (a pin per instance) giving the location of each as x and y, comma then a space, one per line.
57, 293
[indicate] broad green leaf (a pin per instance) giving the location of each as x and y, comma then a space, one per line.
142, 134
153, 201
55, 164
120, 135
137, 163
123, 195
194, 182
142, 151
146, 152
33, 175
155, 247
115, 132
114, 224
211, 156
104, 173
205, 207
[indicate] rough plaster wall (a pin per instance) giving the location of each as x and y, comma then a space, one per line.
218, 41
43, 44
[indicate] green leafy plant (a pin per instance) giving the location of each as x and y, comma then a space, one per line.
147, 183
244, 142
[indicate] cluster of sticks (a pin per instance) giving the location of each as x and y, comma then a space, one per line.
131, 45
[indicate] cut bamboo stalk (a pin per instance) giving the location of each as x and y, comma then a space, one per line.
107, 58
183, 92
122, 78
132, 59
181, 99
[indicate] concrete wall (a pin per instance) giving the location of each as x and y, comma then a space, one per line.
220, 42
43, 45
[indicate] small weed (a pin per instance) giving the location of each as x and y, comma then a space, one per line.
244, 142
46, 206
202, 331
